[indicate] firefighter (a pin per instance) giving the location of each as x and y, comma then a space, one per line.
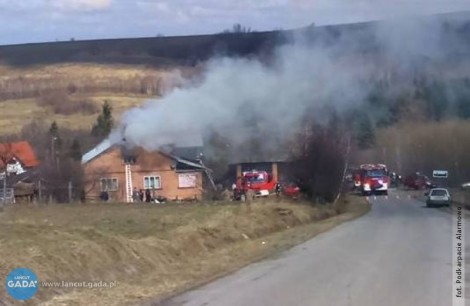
234, 191
278, 189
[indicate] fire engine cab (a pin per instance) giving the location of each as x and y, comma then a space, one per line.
261, 182
373, 179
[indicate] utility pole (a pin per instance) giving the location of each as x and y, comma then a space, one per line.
346, 167
39, 191
70, 191
53, 152
4, 199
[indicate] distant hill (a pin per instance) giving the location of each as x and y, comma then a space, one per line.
188, 50
156, 51
63, 80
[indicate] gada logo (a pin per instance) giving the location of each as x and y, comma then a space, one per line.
22, 284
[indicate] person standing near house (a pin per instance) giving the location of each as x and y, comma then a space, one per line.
141, 195
148, 196
135, 195
104, 196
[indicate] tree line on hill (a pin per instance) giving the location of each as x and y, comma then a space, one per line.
12, 88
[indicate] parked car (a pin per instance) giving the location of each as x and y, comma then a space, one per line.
291, 190
465, 186
418, 181
438, 197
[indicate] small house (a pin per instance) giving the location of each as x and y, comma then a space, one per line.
20, 157
21, 165
120, 172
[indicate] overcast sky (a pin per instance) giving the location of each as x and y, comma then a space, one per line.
24, 21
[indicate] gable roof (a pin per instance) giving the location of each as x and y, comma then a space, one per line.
184, 161
106, 145
22, 151
96, 151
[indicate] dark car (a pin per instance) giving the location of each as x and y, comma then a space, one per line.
418, 181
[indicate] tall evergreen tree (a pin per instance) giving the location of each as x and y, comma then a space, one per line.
75, 150
54, 129
54, 132
104, 122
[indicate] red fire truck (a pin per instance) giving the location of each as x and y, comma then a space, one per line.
373, 179
261, 182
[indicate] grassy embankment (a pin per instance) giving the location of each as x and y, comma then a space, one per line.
152, 251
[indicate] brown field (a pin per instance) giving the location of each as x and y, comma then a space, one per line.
22, 88
17, 113
152, 251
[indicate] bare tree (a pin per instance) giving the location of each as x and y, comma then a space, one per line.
321, 156
92, 178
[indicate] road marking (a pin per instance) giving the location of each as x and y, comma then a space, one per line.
386, 197
375, 198
398, 197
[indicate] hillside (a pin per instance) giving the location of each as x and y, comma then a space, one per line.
156, 52
69, 81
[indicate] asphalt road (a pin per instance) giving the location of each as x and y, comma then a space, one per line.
398, 254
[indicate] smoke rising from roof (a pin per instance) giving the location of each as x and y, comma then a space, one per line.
241, 98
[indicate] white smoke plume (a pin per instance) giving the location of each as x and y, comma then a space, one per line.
234, 89
299, 78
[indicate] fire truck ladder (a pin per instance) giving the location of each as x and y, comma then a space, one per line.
129, 188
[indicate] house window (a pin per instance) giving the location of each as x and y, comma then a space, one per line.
187, 180
152, 182
129, 159
109, 184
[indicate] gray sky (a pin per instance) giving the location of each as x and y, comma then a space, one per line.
47, 20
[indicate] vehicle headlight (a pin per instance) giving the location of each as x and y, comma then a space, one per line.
366, 186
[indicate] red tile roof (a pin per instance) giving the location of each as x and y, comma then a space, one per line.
22, 151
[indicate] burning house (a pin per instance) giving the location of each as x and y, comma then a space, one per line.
174, 172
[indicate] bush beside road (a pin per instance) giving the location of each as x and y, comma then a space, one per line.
152, 251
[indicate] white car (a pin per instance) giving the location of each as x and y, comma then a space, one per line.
438, 197
465, 186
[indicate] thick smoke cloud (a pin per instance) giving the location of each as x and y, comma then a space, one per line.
242, 98
234, 90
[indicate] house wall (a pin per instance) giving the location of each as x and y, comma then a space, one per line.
110, 164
